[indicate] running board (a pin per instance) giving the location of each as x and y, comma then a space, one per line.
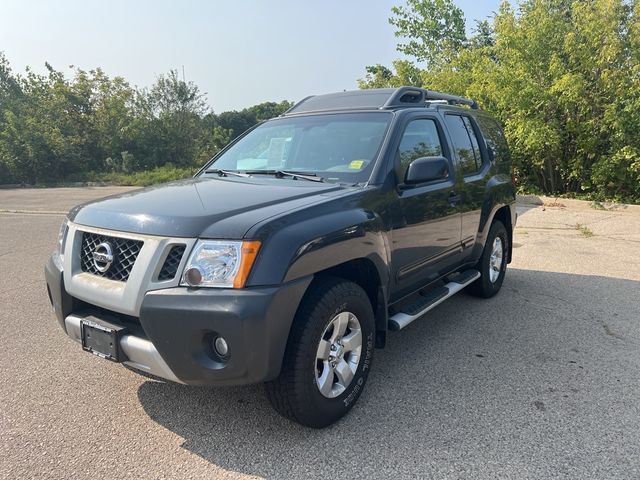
413, 311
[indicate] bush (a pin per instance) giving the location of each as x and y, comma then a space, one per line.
618, 177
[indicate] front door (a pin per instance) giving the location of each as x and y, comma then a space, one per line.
426, 230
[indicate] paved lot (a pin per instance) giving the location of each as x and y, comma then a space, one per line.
542, 381
52, 200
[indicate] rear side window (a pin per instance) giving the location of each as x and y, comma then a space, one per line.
465, 144
494, 137
420, 139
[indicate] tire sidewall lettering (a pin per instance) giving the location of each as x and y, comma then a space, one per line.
356, 387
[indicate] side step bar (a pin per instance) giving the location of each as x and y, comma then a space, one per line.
434, 298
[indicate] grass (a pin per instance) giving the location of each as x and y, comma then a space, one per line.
555, 203
137, 179
591, 196
584, 230
144, 178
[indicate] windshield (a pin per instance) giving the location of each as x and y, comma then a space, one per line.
336, 147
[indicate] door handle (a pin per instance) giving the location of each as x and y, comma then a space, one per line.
454, 198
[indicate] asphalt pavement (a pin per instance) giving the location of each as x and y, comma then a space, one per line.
542, 381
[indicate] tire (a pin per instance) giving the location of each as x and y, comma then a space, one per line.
307, 365
491, 279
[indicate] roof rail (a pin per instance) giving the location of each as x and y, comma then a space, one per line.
376, 98
295, 105
408, 95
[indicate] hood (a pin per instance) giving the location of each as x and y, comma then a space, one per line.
189, 208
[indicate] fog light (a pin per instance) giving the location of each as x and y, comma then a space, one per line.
193, 276
220, 346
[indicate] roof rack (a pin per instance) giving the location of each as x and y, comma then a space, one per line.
378, 99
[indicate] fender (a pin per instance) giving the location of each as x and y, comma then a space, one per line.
500, 193
319, 242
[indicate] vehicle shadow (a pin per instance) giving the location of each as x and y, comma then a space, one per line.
512, 386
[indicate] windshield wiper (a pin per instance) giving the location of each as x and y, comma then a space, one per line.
312, 177
226, 173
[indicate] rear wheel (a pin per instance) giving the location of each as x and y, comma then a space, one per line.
328, 355
493, 263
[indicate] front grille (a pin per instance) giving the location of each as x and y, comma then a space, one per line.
125, 252
170, 267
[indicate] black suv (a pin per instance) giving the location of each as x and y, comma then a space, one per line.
293, 252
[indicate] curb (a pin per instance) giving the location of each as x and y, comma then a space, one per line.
32, 212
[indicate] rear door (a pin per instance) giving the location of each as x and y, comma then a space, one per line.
473, 171
426, 230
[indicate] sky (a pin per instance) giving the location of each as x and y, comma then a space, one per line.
239, 52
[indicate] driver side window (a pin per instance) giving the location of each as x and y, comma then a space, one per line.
420, 139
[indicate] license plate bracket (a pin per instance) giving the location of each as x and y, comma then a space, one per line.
102, 339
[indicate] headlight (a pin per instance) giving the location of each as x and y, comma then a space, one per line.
58, 254
62, 237
220, 263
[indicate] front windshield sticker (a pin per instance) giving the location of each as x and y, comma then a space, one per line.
276, 153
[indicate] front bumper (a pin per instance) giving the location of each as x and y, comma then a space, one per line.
140, 353
172, 338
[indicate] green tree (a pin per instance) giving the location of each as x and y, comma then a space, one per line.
563, 76
265, 111
435, 29
57, 128
168, 123
403, 73
226, 126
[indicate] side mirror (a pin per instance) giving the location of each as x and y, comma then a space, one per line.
426, 169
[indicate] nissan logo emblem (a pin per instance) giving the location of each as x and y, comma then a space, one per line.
103, 257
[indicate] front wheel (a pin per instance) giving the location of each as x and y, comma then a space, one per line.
328, 354
493, 263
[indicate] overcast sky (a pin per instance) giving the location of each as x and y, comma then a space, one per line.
239, 52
